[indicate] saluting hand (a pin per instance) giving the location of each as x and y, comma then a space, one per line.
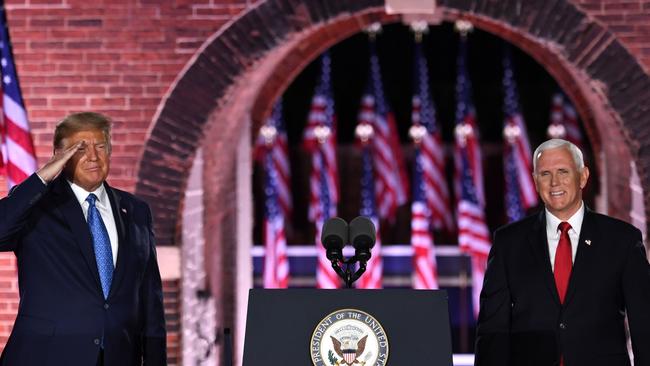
53, 168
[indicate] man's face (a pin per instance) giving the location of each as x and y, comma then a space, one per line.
89, 166
559, 183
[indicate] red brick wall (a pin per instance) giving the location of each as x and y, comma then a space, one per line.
115, 57
122, 58
629, 20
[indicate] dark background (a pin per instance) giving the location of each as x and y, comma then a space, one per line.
350, 64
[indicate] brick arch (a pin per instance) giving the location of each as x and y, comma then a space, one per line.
256, 56
230, 84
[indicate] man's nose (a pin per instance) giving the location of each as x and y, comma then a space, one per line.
91, 153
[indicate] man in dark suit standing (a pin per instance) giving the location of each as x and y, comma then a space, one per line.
90, 288
559, 284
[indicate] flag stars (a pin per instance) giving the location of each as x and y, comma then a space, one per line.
3, 62
268, 191
6, 79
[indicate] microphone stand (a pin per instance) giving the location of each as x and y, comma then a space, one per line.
349, 275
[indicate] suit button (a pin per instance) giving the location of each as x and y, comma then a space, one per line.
96, 341
562, 326
106, 306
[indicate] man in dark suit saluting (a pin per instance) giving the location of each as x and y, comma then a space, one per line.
559, 284
90, 288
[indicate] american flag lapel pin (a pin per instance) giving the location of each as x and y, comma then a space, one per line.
587, 241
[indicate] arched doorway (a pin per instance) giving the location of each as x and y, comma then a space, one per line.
229, 87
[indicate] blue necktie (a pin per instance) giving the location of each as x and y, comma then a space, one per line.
102, 245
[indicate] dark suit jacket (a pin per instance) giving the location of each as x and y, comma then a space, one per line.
62, 315
522, 322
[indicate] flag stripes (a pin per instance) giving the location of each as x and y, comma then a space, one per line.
373, 277
564, 122
276, 261
320, 141
392, 181
272, 147
473, 234
432, 157
430, 205
16, 146
520, 189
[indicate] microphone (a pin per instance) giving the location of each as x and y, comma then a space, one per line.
363, 237
334, 237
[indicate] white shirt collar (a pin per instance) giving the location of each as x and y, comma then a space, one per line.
552, 222
81, 194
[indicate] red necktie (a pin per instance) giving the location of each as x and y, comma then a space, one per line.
563, 262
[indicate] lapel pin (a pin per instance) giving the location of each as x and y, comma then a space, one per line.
124, 210
588, 242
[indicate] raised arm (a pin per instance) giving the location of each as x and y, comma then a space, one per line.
15, 208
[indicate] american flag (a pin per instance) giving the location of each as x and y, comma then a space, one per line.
432, 155
320, 140
276, 262
271, 148
372, 279
425, 274
392, 182
517, 160
18, 159
473, 234
564, 122
466, 126
279, 151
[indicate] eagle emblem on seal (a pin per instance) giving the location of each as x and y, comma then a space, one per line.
350, 348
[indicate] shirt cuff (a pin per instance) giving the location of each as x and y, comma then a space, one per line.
42, 180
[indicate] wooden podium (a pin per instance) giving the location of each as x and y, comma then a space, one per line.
281, 323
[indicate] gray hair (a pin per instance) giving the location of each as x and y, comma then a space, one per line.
555, 144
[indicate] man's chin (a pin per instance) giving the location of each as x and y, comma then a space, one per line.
89, 185
563, 212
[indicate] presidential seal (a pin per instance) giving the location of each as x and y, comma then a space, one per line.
349, 337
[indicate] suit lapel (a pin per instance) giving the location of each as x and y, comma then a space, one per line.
584, 255
71, 210
539, 243
120, 214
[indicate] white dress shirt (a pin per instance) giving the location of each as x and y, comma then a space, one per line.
103, 204
553, 232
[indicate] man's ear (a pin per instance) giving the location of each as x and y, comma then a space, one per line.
584, 176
